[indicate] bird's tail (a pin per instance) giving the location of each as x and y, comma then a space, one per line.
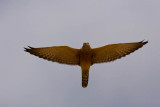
85, 75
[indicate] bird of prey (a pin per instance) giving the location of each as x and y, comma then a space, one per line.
86, 56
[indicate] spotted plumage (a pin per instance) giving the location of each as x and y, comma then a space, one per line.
86, 56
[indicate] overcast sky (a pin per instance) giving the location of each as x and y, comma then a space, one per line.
28, 81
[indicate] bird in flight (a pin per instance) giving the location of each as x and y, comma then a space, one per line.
86, 56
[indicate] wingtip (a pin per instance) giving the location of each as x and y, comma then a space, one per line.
30, 47
144, 42
26, 49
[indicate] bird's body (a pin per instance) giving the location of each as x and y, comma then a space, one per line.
86, 56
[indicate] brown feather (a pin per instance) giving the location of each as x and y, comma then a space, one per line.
86, 56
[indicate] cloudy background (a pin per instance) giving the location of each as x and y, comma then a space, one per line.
28, 81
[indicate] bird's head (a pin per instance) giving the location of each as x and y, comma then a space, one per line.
86, 45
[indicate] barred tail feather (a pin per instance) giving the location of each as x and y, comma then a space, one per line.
85, 75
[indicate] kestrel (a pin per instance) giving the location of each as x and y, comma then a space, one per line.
86, 56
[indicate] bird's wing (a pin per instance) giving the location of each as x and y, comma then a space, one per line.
115, 51
60, 54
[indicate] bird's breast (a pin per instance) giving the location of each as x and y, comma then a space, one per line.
85, 58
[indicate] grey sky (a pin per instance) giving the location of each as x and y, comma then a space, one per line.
27, 81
